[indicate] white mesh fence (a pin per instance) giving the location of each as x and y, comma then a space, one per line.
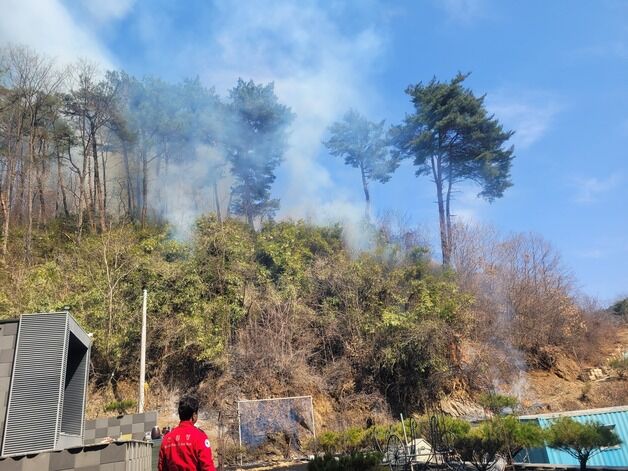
260, 420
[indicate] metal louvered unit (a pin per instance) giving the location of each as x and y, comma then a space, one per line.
48, 385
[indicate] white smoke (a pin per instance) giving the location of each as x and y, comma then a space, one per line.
49, 28
319, 72
185, 190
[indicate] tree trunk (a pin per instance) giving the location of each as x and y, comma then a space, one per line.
103, 162
91, 209
6, 203
161, 207
583, 463
367, 196
82, 203
29, 212
61, 186
129, 183
42, 200
29, 197
6, 211
21, 188
97, 188
218, 215
81, 206
247, 204
447, 207
144, 188
6, 199
438, 180
41, 170
137, 191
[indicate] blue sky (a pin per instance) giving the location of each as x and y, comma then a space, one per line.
555, 72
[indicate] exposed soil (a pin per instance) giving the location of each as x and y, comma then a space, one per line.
574, 386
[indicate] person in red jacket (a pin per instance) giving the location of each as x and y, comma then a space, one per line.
186, 448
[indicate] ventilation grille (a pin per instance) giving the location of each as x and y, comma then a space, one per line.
33, 414
72, 418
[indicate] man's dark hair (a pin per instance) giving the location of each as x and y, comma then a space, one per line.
188, 405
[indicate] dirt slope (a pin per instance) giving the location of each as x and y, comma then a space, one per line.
571, 385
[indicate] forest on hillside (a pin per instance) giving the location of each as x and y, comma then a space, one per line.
248, 306
102, 148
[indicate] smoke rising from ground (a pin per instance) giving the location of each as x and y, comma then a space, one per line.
319, 76
187, 190
322, 74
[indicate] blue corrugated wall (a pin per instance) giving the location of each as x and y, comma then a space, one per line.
611, 457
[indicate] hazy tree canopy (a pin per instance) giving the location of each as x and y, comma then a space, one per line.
151, 114
161, 124
100, 148
256, 144
362, 144
91, 106
452, 138
202, 112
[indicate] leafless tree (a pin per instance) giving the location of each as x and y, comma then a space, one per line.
31, 81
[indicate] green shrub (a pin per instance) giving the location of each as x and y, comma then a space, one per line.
212, 300
328, 442
351, 440
500, 436
121, 407
449, 428
620, 308
496, 403
479, 450
512, 435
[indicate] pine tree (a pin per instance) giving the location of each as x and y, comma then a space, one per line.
256, 143
581, 440
452, 137
362, 143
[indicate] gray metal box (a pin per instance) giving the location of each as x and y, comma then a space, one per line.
46, 407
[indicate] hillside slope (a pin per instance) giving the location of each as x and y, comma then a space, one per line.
291, 310
574, 386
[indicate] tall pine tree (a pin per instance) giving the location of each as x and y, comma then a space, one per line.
452, 138
256, 143
362, 143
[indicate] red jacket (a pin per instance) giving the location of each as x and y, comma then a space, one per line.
185, 448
